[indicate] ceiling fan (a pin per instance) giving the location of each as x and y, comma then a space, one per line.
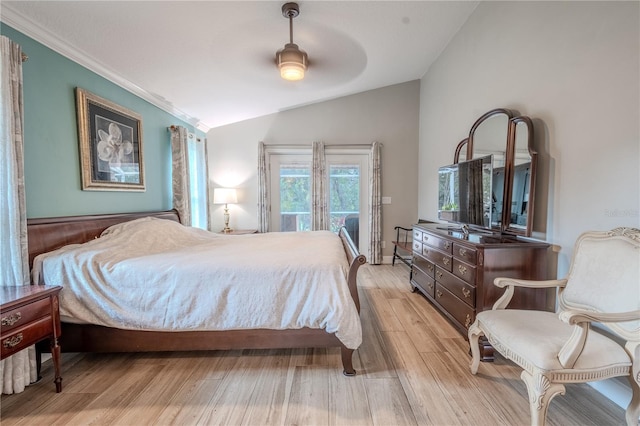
291, 60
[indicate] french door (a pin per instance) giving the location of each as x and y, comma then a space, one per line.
347, 192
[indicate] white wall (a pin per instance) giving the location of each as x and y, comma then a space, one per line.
574, 68
388, 115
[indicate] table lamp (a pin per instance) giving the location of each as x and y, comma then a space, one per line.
225, 196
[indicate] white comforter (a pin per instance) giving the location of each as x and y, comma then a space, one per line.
154, 274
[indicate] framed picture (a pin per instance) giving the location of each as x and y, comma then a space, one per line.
110, 145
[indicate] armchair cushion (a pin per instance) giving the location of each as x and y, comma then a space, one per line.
538, 347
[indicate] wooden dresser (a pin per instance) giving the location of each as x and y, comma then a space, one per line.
456, 272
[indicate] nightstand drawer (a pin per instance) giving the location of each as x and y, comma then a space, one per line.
26, 336
19, 316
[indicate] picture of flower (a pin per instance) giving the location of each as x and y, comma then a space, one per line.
112, 148
110, 145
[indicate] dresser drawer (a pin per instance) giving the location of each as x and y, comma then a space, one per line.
465, 253
417, 235
25, 336
439, 258
19, 316
424, 265
437, 242
462, 313
417, 246
423, 281
460, 288
465, 271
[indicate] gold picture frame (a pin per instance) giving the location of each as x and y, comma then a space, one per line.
110, 138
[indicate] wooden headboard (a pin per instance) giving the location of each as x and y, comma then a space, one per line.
47, 234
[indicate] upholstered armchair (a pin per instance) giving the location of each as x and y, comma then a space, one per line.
603, 286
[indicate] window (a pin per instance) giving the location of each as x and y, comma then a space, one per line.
197, 159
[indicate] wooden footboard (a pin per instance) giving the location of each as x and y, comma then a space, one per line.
51, 233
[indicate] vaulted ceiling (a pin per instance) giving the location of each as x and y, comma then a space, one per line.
213, 62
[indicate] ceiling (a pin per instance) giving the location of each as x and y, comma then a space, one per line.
212, 62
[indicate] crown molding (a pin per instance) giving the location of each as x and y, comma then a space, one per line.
29, 28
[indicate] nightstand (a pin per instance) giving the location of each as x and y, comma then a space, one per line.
30, 314
240, 232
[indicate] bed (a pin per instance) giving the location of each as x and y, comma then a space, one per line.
51, 234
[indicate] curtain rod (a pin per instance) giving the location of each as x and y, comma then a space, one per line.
353, 145
25, 57
174, 127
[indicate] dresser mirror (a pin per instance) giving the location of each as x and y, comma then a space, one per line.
520, 219
508, 139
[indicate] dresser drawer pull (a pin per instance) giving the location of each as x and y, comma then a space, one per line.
466, 292
462, 269
12, 319
447, 245
446, 260
439, 275
12, 341
430, 268
463, 252
430, 285
438, 294
467, 321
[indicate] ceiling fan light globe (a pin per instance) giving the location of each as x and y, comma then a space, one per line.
292, 62
291, 72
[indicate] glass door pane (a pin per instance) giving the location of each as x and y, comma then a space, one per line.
295, 197
344, 198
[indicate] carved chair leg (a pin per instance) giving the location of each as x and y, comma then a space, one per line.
474, 334
633, 409
541, 392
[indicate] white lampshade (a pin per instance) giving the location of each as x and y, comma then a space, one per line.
225, 196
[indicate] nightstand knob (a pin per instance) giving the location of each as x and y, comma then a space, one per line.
466, 293
12, 319
12, 341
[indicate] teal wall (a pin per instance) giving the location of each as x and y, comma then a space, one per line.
52, 162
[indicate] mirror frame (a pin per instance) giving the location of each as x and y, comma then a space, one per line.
513, 119
510, 172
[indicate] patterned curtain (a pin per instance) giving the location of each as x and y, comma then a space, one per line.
319, 211
180, 173
264, 205
375, 206
19, 370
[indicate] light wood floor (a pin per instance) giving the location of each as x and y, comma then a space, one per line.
412, 369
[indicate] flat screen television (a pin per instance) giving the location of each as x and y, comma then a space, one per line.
465, 194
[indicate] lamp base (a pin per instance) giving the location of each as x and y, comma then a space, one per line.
226, 228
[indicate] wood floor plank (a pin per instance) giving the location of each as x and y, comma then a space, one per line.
415, 325
188, 403
115, 400
392, 405
384, 314
348, 403
55, 411
428, 403
266, 403
309, 400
